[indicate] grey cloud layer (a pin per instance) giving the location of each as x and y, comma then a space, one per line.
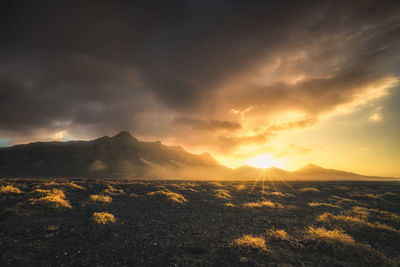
160, 67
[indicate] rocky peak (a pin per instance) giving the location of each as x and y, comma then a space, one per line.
124, 137
123, 134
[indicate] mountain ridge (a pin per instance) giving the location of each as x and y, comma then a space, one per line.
123, 155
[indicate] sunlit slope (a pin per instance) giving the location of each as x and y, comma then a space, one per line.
315, 171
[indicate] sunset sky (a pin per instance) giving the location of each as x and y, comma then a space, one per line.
288, 82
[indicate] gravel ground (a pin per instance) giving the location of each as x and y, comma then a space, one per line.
193, 223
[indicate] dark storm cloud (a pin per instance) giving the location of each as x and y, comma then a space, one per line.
103, 66
79, 89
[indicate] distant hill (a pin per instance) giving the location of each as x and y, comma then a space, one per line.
310, 171
124, 156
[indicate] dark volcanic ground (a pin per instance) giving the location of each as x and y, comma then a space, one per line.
189, 223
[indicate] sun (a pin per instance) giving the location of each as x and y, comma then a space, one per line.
264, 161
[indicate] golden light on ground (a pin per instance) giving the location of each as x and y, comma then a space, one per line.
264, 161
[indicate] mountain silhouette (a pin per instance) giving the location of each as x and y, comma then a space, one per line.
124, 156
313, 171
119, 156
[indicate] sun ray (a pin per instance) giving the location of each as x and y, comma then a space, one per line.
270, 178
258, 178
283, 180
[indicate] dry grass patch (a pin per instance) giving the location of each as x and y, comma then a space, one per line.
103, 218
101, 198
384, 215
249, 241
278, 234
322, 204
169, 195
309, 189
345, 201
54, 197
222, 193
190, 189
260, 204
74, 185
278, 194
354, 223
367, 196
327, 217
360, 211
339, 241
185, 187
321, 234
217, 184
113, 191
241, 187
67, 184
10, 189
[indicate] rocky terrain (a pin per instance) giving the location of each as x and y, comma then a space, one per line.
96, 222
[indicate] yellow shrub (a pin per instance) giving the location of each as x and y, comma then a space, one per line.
269, 204
278, 194
74, 185
54, 197
329, 236
318, 204
222, 193
103, 218
169, 195
113, 191
329, 218
68, 184
240, 187
344, 201
354, 222
249, 241
10, 189
278, 234
309, 189
101, 198
365, 196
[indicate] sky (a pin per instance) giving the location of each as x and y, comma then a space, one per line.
291, 82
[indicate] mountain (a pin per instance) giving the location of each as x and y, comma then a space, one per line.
125, 156
312, 171
119, 156
307, 172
